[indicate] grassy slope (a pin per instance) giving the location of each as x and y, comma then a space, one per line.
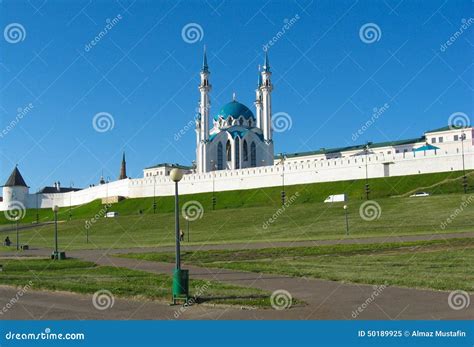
308, 193
85, 277
445, 265
399, 216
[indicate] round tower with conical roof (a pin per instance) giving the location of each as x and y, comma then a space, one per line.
15, 189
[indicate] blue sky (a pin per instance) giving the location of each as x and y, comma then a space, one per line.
145, 75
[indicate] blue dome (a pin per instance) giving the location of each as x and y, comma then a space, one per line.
234, 109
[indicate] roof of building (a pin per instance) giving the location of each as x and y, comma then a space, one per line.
236, 131
178, 166
352, 148
449, 127
50, 190
15, 179
234, 109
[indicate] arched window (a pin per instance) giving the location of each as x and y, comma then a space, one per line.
253, 154
220, 158
237, 152
228, 150
241, 121
246, 151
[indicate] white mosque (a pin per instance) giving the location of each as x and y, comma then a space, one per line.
238, 139
237, 153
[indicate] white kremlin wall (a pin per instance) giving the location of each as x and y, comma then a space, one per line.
305, 170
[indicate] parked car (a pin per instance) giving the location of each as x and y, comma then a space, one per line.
419, 194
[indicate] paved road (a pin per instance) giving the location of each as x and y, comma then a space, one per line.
324, 299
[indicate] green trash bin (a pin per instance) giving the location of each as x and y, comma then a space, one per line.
58, 255
180, 284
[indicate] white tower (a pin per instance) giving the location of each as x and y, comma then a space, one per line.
258, 100
15, 191
202, 123
266, 90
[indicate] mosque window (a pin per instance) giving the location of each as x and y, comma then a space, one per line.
237, 153
246, 151
253, 154
228, 150
241, 121
220, 158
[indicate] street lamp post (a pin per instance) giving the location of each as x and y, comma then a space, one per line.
56, 254
180, 277
347, 219
37, 207
187, 228
17, 219
464, 177
283, 193
367, 188
154, 193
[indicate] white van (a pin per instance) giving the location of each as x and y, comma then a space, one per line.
336, 198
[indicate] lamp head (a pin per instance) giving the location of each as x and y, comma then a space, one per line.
345, 207
55, 208
176, 175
